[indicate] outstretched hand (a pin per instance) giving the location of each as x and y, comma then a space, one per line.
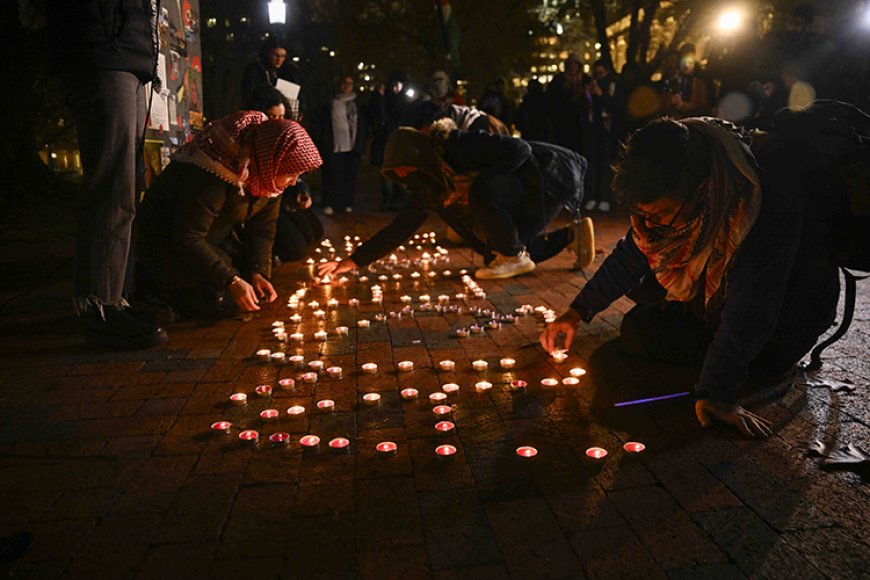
263, 288
336, 268
750, 424
565, 325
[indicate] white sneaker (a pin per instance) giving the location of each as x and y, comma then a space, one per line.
604, 206
327, 210
506, 267
590, 205
348, 210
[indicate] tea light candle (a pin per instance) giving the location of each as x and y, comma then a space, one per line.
341, 330
443, 299
441, 410
634, 447
282, 336
297, 337
363, 323
268, 414
450, 388
596, 452
334, 372
445, 451
409, 394
424, 299
263, 390
493, 325
446, 273
380, 316
559, 357
277, 357
369, 368
319, 314
309, 441
287, 384
332, 303
339, 443
383, 277
326, 405
462, 332
239, 398
278, 324
296, 411
315, 365
397, 276
507, 363
479, 365
526, 451
371, 399
280, 438
222, 427
406, 366
437, 398
386, 448
314, 304
363, 279
475, 329
447, 365
518, 386
577, 372
405, 299
570, 381
353, 302
309, 378
296, 360
320, 335
482, 386
263, 354
549, 382
445, 426
296, 319
249, 435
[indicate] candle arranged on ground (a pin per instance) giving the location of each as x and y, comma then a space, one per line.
296, 360
371, 399
442, 410
596, 452
339, 443
559, 356
634, 447
277, 357
319, 314
297, 337
341, 330
369, 368
221, 426
287, 384
462, 332
406, 366
309, 377
518, 386
445, 451
296, 410
334, 372
363, 323
386, 448
320, 335
526, 451
450, 388
482, 386
309, 441
570, 381
280, 438
353, 302
445, 426
268, 414
409, 394
249, 435
479, 365
447, 365
239, 398
507, 363
549, 382
263, 390
577, 372
263, 354
332, 303
295, 319
437, 398
315, 365
326, 405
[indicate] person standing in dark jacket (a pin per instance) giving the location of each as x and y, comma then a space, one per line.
232, 174
270, 66
343, 130
104, 52
389, 110
533, 117
733, 251
513, 188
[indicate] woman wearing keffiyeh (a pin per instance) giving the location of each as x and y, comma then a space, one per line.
729, 256
231, 174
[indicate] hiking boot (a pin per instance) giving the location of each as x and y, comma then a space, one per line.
506, 267
583, 243
117, 328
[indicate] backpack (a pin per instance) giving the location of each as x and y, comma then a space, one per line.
841, 133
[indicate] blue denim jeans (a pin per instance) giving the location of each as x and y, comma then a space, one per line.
109, 111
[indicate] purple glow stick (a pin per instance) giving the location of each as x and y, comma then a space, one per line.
651, 399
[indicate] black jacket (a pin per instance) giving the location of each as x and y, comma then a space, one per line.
102, 35
185, 218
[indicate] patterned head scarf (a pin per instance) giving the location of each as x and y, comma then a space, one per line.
249, 151
695, 257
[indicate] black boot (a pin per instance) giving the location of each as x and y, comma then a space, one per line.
117, 328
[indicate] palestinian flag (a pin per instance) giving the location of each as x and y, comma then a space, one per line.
450, 33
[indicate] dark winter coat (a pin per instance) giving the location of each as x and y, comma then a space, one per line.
102, 35
187, 218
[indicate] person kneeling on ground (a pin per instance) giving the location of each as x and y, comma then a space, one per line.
231, 174
734, 251
513, 188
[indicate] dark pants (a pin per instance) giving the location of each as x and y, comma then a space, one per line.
513, 217
340, 171
295, 233
109, 112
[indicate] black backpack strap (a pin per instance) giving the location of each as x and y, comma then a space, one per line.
848, 312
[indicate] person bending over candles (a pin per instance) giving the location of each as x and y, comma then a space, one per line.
232, 174
729, 257
513, 188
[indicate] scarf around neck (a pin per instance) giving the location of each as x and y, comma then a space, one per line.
697, 256
247, 150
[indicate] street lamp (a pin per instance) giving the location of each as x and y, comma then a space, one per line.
730, 21
277, 12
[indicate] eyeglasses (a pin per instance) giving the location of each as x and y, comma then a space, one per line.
653, 224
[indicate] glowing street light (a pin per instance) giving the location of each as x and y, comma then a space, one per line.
277, 12
730, 21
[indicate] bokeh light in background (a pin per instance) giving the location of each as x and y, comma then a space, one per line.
730, 21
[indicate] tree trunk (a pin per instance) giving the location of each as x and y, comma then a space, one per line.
649, 13
633, 33
600, 13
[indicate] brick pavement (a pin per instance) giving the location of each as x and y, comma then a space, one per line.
108, 460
